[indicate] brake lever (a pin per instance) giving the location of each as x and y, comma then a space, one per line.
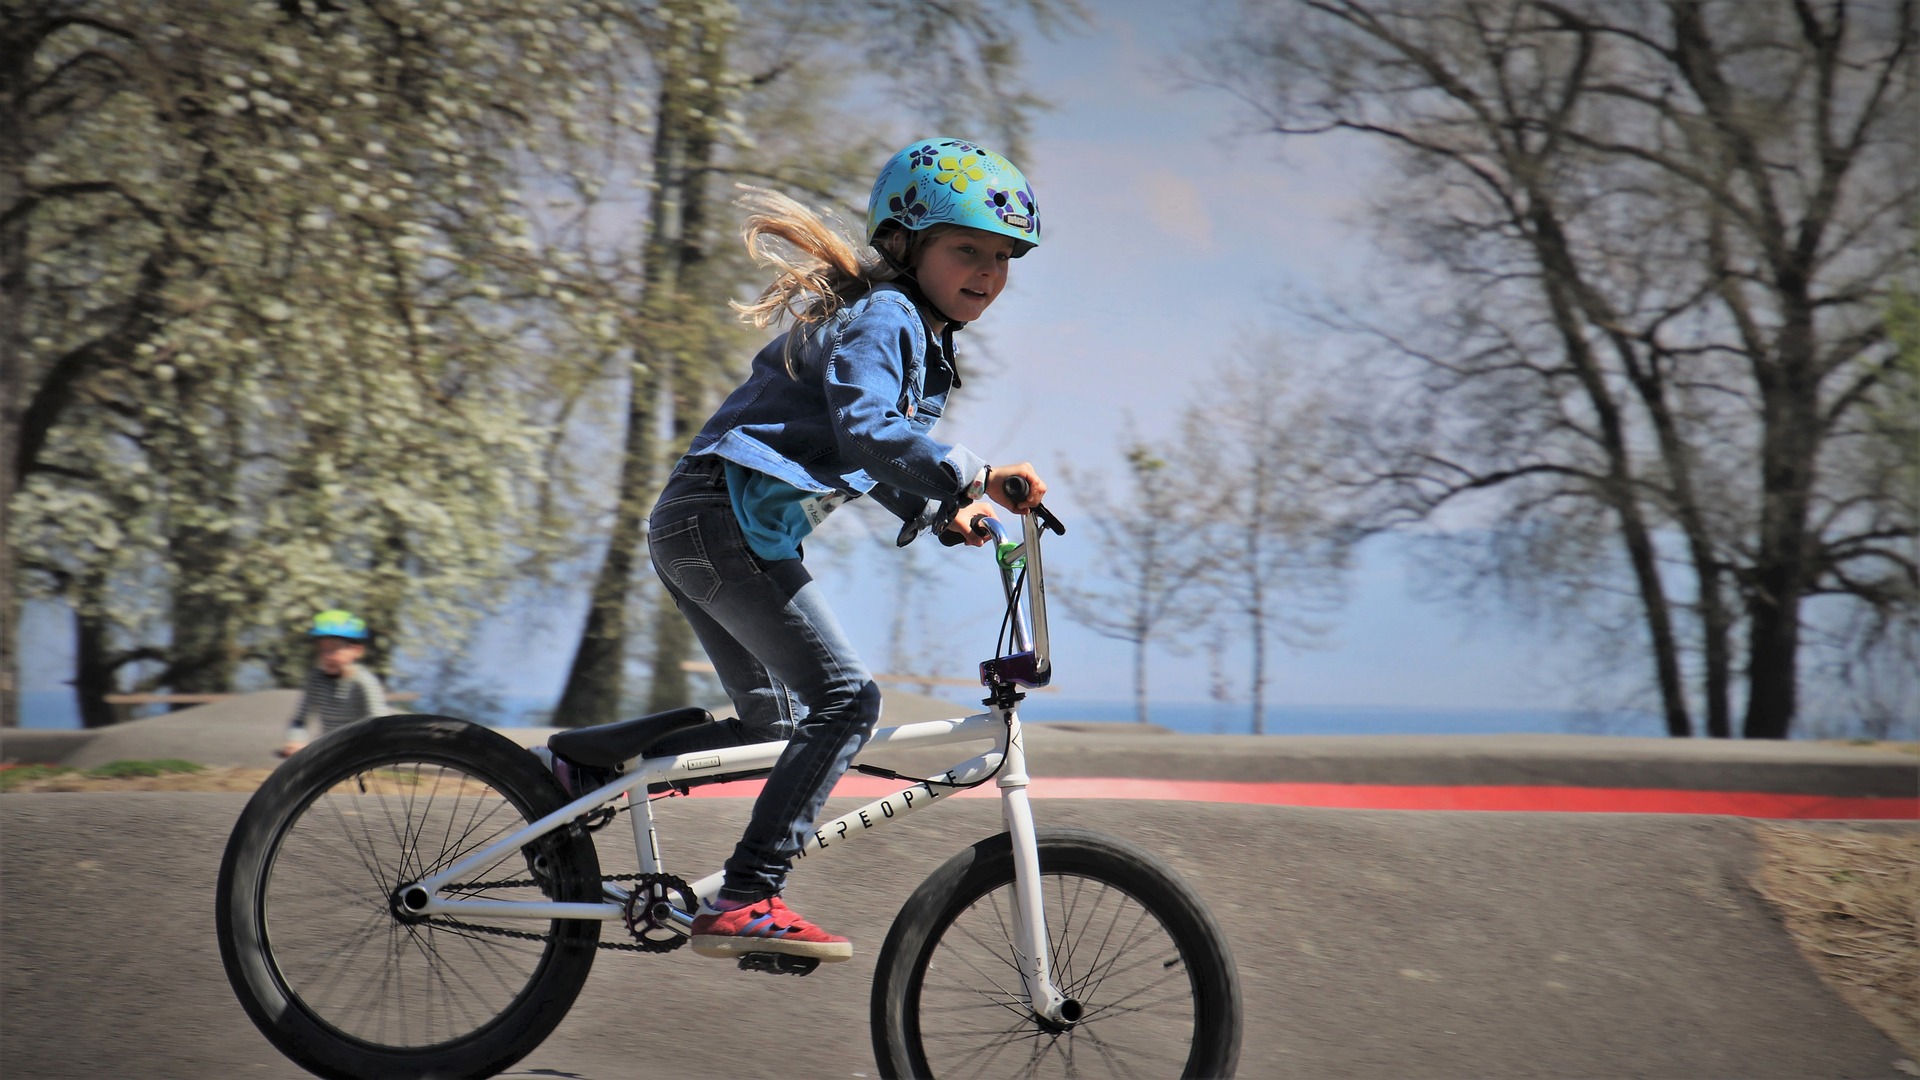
1017, 489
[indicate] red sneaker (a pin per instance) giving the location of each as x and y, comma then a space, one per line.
766, 926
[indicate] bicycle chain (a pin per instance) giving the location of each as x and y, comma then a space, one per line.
498, 931
524, 935
612, 812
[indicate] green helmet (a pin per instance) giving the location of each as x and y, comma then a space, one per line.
949, 181
340, 624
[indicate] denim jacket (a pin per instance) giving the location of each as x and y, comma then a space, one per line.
858, 415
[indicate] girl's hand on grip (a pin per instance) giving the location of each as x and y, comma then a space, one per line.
997, 486
963, 520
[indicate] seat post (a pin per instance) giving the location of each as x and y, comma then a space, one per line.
646, 839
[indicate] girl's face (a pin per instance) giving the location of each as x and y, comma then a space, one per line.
963, 269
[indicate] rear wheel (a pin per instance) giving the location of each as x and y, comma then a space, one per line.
1148, 973
334, 971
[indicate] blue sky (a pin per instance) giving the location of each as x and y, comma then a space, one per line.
1169, 231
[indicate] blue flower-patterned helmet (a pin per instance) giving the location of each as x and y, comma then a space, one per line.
954, 182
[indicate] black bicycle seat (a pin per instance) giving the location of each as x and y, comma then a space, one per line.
604, 746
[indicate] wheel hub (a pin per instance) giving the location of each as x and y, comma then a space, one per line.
408, 903
1071, 1013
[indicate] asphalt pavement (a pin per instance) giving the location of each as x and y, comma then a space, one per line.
1369, 944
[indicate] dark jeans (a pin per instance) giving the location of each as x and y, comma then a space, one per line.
781, 656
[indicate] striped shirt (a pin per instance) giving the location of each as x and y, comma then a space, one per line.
339, 700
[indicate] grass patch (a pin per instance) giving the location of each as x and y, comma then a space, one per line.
61, 777
1883, 745
1847, 897
116, 770
15, 776
396, 777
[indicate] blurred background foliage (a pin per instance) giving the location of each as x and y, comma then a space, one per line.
302, 298
403, 305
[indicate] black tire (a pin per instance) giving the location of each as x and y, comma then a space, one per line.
307, 929
1132, 944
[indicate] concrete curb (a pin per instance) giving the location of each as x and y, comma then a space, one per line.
246, 730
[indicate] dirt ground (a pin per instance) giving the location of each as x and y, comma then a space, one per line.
226, 778
1850, 897
206, 779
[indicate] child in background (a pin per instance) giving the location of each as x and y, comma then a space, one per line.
338, 691
841, 405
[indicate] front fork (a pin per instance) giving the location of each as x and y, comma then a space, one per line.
1029, 910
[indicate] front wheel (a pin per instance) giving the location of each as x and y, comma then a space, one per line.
1148, 970
329, 966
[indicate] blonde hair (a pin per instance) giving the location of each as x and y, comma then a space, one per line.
818, 270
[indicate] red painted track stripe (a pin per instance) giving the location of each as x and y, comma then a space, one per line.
1533, 798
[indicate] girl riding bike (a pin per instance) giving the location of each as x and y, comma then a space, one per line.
841, 405
421, 896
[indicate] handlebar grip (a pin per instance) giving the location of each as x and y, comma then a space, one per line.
949, 538
1018, 489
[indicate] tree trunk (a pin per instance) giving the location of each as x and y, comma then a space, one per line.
1716, 678
9, 566
1788, 375
15, 59
669, 687
1259, 678
385, 597
1257, 618
1773, 647
93, 661
1716, 626
1140, 679
899, 650
1567, 296
203, 656
1658, 614
1782, 573
1715, 622
595, 682
672, 646
689, 365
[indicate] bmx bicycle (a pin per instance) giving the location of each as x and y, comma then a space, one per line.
420, 896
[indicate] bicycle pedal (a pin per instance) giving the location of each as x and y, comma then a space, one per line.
778, 963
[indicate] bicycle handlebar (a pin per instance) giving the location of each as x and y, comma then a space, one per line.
1016, 489
1028, 664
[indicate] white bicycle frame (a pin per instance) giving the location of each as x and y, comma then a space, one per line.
1006, 762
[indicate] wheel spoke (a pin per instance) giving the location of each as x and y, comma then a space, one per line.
346, 975
1129, 944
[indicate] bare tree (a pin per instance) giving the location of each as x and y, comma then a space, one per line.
1150, 560
1277, 557
691, 98
1668, 231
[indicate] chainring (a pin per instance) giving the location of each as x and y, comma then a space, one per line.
647, 915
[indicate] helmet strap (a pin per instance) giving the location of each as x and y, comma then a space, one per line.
946, 346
